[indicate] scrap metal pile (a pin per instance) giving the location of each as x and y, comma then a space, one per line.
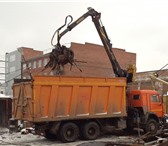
60, 56
148, 139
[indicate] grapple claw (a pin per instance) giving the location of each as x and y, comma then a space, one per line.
60, 56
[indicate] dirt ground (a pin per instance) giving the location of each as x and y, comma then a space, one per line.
18, 139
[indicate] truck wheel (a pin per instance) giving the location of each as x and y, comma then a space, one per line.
90, 131
152, 126
49, 135
69, 132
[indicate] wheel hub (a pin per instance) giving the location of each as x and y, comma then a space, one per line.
152, 127
69, 132
91, 131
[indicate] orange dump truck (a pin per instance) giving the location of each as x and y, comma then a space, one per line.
66, 107
50, 98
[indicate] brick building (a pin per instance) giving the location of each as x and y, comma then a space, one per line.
91, 59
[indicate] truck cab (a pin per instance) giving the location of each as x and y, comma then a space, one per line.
147, 106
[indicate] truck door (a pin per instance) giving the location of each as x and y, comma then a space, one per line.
156, 105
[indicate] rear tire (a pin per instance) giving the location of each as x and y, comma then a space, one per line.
90, 131
69, 132
152, 126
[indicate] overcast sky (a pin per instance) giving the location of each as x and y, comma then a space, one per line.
138, 26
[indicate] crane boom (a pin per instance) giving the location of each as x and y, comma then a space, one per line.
68, 56
153, 77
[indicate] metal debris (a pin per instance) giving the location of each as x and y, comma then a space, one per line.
60, 56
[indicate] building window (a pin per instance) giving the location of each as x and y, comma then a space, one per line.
39, 63
12, 69
34, 64
29, 64
6, 75
51, 73
28, 77
12, 58
45, 73
24, 66
45, 61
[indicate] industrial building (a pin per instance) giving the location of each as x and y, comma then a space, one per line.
13, 65
143, 81
91, 59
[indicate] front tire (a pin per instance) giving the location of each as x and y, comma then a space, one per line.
152, 126
69, 132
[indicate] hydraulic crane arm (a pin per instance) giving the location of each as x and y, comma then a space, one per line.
119, 72
91, 12
156, 78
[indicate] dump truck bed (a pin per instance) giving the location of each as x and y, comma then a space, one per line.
52, 98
